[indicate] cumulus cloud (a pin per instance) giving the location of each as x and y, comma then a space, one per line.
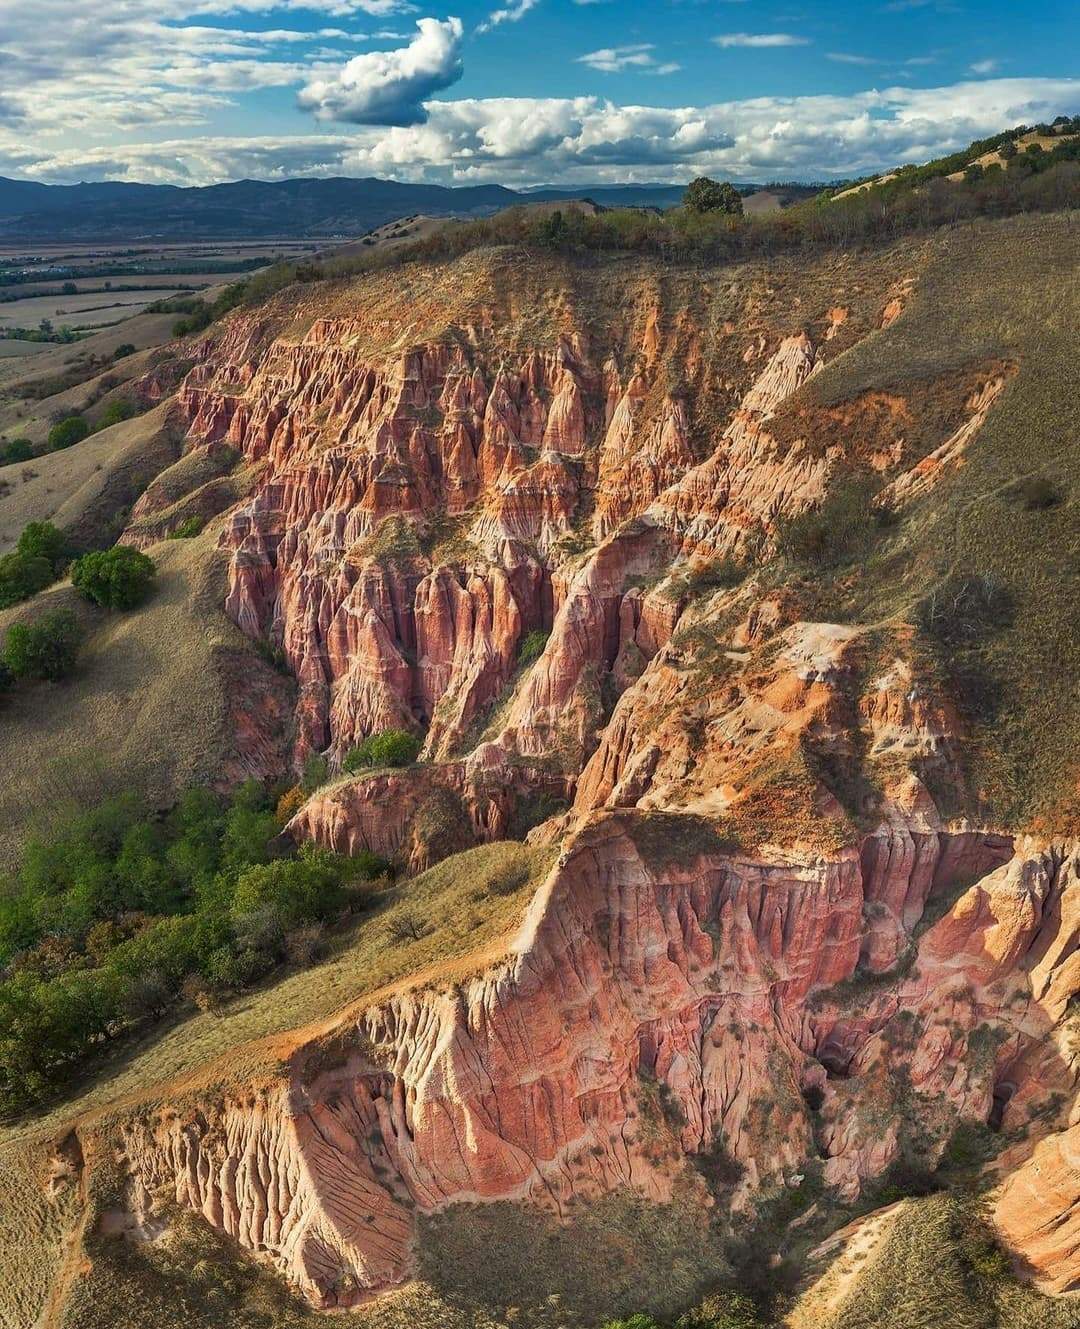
389, 87
115, 64
755, 39
811, 137
586, 140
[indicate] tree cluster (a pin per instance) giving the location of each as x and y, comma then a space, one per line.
39, 557
127, 913
390, 747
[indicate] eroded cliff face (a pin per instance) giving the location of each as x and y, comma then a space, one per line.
778, 941
425, 495
660, 1001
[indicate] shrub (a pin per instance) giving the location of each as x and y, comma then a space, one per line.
391, 747
201, 995
118, 578
986, 1257
22, 576
532, 646
200, 317
719, 574
722, 1310
831, 533
120, 409
1036, 493
19, 449
970, 1146
965, 608
44, 650
720, 1168
405, 928
552, 230
1007, 150
316, 773
66, 433
41, 539
124, 349
303, 946
189, 527
369, 866
705, 195
290, 803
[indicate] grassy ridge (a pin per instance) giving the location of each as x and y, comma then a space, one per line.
936, 1267
463, 906
1005, 292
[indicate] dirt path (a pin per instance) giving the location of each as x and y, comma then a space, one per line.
73, 1262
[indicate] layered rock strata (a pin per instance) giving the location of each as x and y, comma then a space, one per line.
715, 985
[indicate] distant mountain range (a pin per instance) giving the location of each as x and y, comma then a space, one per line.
257, 209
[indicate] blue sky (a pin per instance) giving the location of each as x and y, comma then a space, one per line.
561, 91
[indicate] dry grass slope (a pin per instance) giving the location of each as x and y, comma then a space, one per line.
88, 490
464, 909
925, 1273
997, 291
148, 707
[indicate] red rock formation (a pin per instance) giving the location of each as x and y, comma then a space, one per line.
722, 926
476, 423
632, 968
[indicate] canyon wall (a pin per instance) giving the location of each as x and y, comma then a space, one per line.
532, 521
652, 1008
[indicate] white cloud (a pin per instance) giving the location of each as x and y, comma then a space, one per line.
586, 140
760, 39
512, 13
389, 87
106, 66
984, 66
843, 58
614, 59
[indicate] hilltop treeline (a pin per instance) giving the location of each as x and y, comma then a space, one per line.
1004, 143
1044, 181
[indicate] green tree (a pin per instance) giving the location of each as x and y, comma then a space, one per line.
22, 576
391, 747
118, 578
124, 349
705, 195
41, 539
117, 410
67, 432
19, 449
46, 649
298, 889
